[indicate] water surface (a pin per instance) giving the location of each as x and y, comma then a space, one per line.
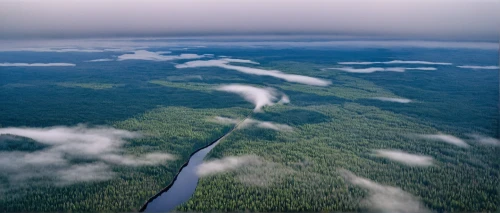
183, 187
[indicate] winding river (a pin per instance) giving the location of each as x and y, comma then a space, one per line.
184, 183
183, 186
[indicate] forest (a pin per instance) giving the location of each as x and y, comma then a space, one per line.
334, 127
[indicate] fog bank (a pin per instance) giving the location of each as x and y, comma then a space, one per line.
443, 19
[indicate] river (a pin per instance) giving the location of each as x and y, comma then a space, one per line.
182, 187
184, 183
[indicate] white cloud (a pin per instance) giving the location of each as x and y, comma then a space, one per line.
485, 140
394, 62
224, 63
36, 65
384, 198
226, 164
248, 123
79, 139
102, 145
156, 56
224, 120
265, 125
446, 138
178, 49
127, 160
380, 69
239, 60
404, 157
263, 174
419, 68
248, 169
101, 60
360, 70
260, 97
397, 100
85, 173
479, 67
284, 99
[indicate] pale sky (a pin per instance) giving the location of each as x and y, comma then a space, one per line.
440, 19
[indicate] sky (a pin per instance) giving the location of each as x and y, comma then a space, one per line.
440, 19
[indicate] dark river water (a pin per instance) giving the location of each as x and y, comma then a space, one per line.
183, 187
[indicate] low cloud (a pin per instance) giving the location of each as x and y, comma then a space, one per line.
248, 169
284, 99
128, 160
479, 67
384, 198
260, 97
446, 138
395, 62
239, 60
265, 125
379, 69
226, 164
485, 140
101, 60
248, 123
37, 65
263, 174
404, 157
63, 145
178, 49
224, 120
397, 100
224, 63
156, 56
85, 173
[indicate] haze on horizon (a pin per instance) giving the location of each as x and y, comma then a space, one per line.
435, 19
